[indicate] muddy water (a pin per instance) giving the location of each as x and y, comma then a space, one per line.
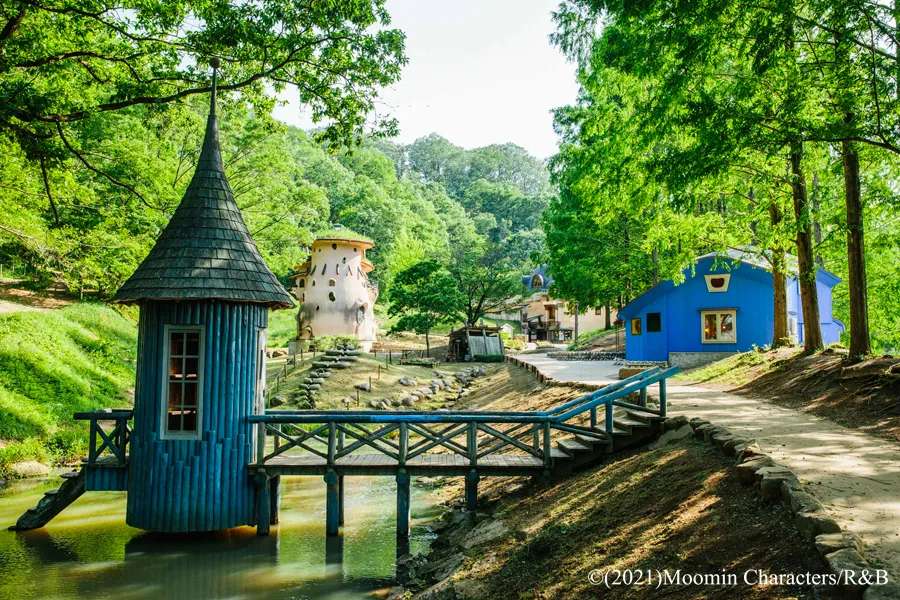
89, 552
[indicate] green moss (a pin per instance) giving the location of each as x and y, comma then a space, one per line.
53, 364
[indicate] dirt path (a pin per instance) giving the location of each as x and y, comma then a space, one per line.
855, 475
13, 298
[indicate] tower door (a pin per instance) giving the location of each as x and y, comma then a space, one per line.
259, 404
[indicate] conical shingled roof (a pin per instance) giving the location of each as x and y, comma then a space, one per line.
205, 251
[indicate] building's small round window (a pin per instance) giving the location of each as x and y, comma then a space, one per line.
354, 249
334, 246
331, 283
344, 261
331, 296
317, 308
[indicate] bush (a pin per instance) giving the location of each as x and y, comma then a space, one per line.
543, 344
325, 342
488, 358
514, 344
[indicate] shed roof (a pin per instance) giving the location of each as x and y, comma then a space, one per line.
205, 252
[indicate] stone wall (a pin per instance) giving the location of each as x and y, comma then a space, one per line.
690, 360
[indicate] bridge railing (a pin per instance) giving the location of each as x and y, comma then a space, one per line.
473, 435
107, 443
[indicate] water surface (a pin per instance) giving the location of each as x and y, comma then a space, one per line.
89, 552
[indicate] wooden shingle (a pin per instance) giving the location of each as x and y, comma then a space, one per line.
206, 250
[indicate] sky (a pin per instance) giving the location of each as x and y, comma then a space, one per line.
480, 72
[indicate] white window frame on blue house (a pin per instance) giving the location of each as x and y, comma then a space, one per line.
164, 432
718, 312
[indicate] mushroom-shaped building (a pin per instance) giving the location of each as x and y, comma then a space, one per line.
333, 286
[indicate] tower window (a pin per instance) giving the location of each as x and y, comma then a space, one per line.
334, 246
314, 283
354, 249
331, 283
184, 382
323, 269
344, 261
301, 283
331, 296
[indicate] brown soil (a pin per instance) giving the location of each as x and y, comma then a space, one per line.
674, 508
14, 298
865, 396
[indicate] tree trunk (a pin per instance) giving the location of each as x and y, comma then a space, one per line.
860, 344
608, 309
576, 323
809, 297
817, 224
781, 335
427, 345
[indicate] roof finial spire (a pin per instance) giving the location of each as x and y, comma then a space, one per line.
215, 62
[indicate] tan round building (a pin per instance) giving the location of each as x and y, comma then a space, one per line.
336, 296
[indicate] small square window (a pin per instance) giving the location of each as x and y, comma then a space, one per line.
636, 326
654, 322
718, 326
182, 382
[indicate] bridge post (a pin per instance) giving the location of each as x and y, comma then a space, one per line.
332, 504
472, 479
274, 499
263, 503
403, 504
340, 446
643, 400
662, 397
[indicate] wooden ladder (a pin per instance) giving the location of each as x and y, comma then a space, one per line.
53, 502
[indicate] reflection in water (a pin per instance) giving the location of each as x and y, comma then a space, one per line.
89, 552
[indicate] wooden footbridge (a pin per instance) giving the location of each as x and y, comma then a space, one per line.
402, 444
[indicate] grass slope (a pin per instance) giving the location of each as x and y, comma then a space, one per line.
54, 363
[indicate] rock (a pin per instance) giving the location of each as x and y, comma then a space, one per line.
888, 591
713, 431
29, 468
814, 524
772, 479
699, 432
697, 422
347, 400
852, 568
672, 436
279, 352
728, 448
409, 401
407, 381
396, 402
372, 403
747, 452
364, 386
317, 380
746, 471
442, 590
444, 567
314, 386
470, 589
720, 438
832, 542
447, 383
340, 365
275, 401
674, 423
487, 531
801, 501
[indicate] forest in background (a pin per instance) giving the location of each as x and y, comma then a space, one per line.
726, 125
475, 211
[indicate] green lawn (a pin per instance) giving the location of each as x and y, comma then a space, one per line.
54, 363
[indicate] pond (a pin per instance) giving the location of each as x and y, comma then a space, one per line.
89, 552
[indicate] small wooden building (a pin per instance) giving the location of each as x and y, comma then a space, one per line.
204, 294
468, 342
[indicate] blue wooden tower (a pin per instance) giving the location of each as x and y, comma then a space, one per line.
204, 293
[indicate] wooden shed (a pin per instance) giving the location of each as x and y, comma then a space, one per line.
204, 294
469, 342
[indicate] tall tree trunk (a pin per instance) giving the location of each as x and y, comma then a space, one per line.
608, 309
781, 335
809, 296
427, 344
576, 323
817, 223
860, 344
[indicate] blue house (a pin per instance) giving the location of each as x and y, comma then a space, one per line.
725, 306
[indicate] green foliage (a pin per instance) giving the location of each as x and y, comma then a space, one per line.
423, 297
282, 327
53, 364
488, 358
324, 342
514, 344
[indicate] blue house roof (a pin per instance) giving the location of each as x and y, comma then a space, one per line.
748, 262
545, 278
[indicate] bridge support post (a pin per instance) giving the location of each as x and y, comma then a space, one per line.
662, 397
403, 504
332, 504
274, 499
340, 499
472, 479
263, 503
643, 400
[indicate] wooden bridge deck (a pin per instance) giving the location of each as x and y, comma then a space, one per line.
381, 464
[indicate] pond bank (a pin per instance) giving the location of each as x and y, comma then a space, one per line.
673, 508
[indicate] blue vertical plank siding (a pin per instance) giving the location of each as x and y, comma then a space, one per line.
195, 485
749, 293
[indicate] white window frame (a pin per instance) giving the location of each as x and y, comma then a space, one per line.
717, 312
721, 290
164, 433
